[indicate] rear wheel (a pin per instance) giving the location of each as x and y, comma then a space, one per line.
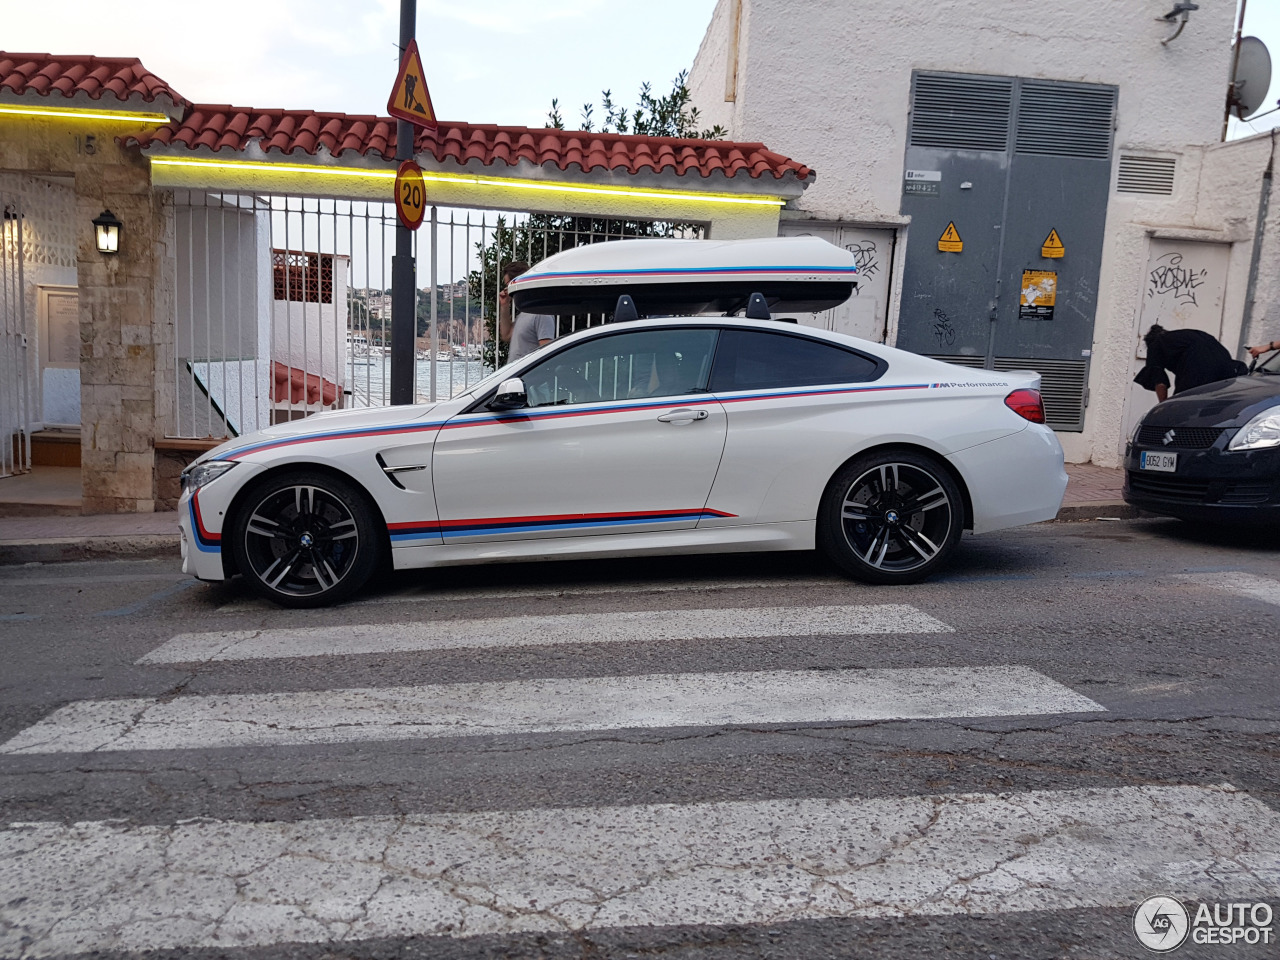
306, 539
890, 517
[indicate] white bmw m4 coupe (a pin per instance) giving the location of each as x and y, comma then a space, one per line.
652, 434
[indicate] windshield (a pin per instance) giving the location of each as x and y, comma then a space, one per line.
1269, 363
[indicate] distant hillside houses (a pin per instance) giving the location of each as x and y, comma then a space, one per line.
378, 302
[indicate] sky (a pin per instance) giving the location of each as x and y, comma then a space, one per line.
487, 61
1262, 20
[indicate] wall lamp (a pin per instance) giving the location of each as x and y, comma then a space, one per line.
107, 229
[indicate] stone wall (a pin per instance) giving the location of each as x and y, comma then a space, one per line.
125, 313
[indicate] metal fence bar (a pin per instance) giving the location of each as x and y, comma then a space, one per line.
335, 250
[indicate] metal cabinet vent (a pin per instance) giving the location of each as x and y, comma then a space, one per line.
966, 361
1065, 120
961, 112
1146, 174
1062, 387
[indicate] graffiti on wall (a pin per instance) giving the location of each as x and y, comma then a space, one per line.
865, 257
1171, 276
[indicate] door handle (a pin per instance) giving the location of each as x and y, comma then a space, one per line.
683, 415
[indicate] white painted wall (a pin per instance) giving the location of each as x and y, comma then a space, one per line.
829, 85
313, 336
222, 297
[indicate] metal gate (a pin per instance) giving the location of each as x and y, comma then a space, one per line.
16, 414
1006, 181
283, 303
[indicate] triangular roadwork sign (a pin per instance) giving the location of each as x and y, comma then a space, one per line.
409, 97
950, 241
1052, 247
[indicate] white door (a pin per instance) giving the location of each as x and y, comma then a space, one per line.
1184, 288
866, 313
619, 436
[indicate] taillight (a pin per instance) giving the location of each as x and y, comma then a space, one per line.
1026, 404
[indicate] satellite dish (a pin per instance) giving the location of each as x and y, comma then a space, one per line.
1252, 78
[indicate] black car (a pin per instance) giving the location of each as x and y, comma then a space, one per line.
1213, 453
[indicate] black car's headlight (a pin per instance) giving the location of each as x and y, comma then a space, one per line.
198, 474
1260, 432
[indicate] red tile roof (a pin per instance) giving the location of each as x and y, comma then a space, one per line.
120, 78
218, 128
204, 127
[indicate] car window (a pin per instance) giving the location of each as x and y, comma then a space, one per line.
624, 366
759, 360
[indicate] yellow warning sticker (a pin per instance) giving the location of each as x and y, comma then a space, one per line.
950, 241
1052, 247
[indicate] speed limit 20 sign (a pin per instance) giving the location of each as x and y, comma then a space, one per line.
411, 195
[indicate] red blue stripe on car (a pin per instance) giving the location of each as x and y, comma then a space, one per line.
560, 413
417, 530
205, 541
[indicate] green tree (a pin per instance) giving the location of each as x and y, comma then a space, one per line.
667, 116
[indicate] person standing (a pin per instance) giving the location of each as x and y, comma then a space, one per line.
1192, 356
527, 331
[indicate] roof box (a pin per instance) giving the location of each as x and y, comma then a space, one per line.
686, 277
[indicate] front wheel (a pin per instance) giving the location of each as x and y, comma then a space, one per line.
891, 517
306, 539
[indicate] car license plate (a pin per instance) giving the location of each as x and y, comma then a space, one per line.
1160, 462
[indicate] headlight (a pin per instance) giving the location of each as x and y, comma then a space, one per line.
1136, 430
1260, 432
197, 475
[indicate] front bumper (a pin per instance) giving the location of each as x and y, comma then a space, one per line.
1212, 485
202, 521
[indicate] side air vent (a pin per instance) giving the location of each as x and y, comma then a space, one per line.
961, 113
1065, 120
1146, 174
1062, 386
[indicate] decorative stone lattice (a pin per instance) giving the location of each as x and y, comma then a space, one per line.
48, 209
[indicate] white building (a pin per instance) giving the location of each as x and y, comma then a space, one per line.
1010, 119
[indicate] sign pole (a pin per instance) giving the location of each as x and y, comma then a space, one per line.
403, 272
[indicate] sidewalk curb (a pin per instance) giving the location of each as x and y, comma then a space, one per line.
61, 549
1097, 510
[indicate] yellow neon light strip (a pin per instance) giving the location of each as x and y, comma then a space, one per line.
77, 114
554, 187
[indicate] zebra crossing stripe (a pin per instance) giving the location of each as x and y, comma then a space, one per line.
555, 705
1238, 583
67, 888
626, 627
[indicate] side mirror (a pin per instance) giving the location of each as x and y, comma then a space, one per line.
510, 395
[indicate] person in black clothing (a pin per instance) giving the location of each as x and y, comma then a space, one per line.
1192, 356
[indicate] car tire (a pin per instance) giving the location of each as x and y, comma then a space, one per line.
891, 516
306, 539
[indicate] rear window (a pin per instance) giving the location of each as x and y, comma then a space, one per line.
759, 360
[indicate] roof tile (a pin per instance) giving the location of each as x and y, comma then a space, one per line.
118, 78
286, 131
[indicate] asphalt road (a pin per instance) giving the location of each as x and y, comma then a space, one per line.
695, 757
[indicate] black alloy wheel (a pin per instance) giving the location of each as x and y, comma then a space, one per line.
306, 539
890, 517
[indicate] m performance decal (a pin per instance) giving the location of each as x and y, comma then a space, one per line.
415, 530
